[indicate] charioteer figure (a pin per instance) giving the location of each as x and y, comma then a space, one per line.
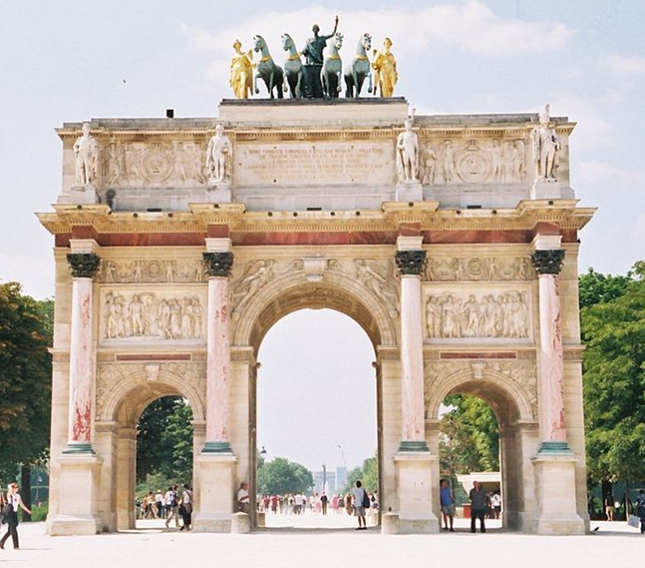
313, 52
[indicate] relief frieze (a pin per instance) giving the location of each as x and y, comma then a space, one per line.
491, 269
150, 271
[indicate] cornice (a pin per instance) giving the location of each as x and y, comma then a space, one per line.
563, 213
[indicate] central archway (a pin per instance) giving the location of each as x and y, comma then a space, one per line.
338, 293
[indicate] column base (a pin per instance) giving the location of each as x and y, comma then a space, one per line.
83, 448
415, 488
217, 448
79, 480
556, 493
407, 446
214, 504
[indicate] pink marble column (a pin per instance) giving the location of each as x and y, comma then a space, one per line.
81, 354
547, 264
410, 263
218, 353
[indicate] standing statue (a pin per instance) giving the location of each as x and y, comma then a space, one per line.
293, 73
218, 156
332, 68
313, 52
241, 79
359, 69
546, 145
407, 154
86, 150
385, 67
267, 70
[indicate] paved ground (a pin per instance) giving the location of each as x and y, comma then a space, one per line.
614, 544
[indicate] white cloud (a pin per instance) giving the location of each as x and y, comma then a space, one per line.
593, 130
623, 65
470, 26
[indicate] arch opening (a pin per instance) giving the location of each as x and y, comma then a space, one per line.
315, 405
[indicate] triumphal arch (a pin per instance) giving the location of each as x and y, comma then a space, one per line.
452, 240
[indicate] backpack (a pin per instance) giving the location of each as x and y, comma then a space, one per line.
366, 500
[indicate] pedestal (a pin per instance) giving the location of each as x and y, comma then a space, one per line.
79, 481
389, 523
83, 195
546, 189
218, 192
409, 191
216, 492
415, 487
556, 493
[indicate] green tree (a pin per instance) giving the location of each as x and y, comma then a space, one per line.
26, 329
367, 473
595, 287
469, 438
280, 476
165, 440
613, 329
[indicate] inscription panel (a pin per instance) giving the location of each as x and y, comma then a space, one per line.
314, 164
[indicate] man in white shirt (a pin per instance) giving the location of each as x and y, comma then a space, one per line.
243, 498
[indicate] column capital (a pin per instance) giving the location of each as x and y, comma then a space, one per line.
410, 262
218, 263
548, 261
83, 264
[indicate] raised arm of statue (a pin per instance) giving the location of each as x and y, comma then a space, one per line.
332, 34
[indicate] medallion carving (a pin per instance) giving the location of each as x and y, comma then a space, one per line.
477, 269
150, 271
473, 162
147, 316
482, 315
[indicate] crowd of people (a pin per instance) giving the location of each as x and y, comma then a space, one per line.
170, 505
317, 504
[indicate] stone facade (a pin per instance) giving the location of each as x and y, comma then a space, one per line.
176, 279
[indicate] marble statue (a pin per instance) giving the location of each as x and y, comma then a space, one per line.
313, 52
86, 152
266, 69
218, 156
332, 68
385, 67
293, 73
546, 145
359, 69
241, 78
407, 153
430, 165
449, 172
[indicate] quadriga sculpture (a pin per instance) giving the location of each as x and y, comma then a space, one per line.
266, 69
359, 69
292, 68
332, 68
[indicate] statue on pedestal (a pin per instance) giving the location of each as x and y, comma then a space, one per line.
385, 67
241, 79
546, 145
219, 157
86, 152
313, 52
407, 154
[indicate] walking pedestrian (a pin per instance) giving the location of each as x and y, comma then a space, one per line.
186, 508
479, 505
447, 499
323, 503
640, 508
172, 506
14, 501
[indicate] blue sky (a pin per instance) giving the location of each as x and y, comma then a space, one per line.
72, 61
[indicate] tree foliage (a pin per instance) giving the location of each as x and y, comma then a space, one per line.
26, 329
165, 440
367, 473
469, 438
613, 328
280, 476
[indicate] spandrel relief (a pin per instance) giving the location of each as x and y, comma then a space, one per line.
451, 162
154, 164
439, 269
257, 274
147, 316
150, 271
380, 278
492, 315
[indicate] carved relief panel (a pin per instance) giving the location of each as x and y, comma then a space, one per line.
152, 316
154, 164
451, 268
150, 271
479, 313
445, 162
